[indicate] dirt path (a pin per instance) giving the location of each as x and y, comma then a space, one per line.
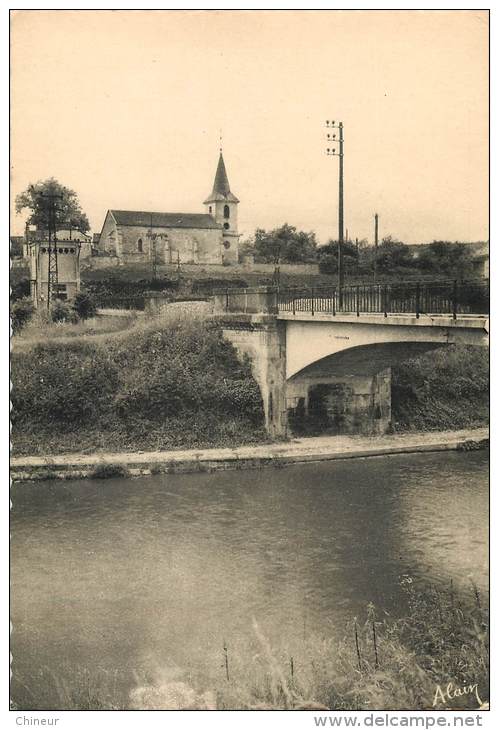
318, 448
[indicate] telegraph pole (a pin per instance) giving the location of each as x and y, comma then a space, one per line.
53, 274
331, 151
277, 269
375, 244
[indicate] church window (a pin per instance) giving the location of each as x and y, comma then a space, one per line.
210, 209
226, 225
140, 248
227, 244
226, 211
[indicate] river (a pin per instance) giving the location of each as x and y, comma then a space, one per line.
158, 573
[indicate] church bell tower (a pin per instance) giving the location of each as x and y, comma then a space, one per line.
221, 204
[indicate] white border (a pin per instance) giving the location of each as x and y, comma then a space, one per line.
216, 719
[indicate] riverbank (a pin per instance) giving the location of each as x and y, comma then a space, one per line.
295, 451
381, 663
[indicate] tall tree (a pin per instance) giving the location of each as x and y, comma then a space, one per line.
328, 257
285, 244
68, 211
445, 257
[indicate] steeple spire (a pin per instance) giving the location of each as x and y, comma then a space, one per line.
221, 187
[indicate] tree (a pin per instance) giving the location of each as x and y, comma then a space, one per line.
68, 211
84, 306
328, 257
449, 259
21, 313
285, 245
393, 254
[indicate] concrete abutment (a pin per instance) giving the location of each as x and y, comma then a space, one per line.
265, 344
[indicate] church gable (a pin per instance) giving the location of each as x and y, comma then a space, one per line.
108, 240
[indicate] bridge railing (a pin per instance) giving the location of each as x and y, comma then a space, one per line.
441, 297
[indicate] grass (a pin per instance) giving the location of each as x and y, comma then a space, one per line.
166, 383
380, 663
109, 471
40, 330
443, 390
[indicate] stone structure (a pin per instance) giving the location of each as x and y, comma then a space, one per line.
221, 204
177, 238
336, 368
68, 270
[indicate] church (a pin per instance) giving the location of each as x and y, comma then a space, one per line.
138, 236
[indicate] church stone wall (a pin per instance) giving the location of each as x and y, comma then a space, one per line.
108, 237
195, 245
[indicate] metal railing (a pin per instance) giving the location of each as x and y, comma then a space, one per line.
440, 297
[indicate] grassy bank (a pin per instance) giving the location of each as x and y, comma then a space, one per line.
380, 663
161, 385
442, 390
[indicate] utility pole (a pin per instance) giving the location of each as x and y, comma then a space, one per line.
53, 274
276, 279
152, 238
331, 151
375, 244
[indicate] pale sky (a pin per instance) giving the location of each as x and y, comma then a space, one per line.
126, 107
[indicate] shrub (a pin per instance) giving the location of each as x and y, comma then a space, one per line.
19, 289
54, 385
84, 306
61, 311
177, 384
109, 471
21, 313
444, 389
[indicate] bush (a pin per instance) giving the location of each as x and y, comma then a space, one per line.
174, 385
444, 389
21, 313
109, 471
181, 370
84, 306
19, 288
55, 385
61, 311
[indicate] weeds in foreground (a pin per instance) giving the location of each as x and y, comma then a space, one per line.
109, 471
381, 663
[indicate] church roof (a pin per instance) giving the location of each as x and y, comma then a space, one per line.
221, 187
163, 220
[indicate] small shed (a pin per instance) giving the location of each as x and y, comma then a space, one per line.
65, 255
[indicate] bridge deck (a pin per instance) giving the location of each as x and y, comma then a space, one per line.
478, 321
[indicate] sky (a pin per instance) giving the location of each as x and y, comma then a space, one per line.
127, 108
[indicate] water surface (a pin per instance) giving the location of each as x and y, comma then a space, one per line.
160, 571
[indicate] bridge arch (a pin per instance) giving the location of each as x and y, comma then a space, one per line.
369, 346
364, 360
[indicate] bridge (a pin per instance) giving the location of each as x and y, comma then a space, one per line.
329, 351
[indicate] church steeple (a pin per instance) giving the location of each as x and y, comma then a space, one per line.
221, 204
221, 188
